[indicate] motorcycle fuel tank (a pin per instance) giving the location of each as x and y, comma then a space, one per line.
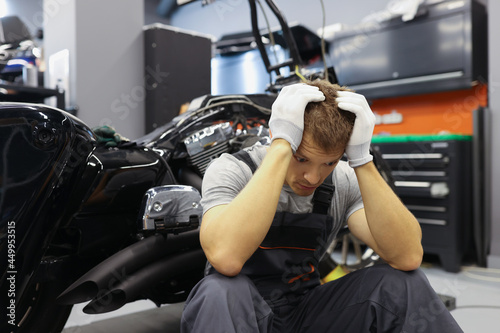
42, 153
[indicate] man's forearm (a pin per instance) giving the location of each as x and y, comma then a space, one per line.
231, 233
395, 230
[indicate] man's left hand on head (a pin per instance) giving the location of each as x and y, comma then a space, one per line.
358, 148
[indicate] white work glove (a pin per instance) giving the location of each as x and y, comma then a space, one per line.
287, 116
358, 147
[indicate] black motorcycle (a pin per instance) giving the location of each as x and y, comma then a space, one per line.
83, 220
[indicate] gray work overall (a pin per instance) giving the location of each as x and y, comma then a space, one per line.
279, 290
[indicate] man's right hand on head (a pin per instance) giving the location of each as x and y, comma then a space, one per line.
287, 117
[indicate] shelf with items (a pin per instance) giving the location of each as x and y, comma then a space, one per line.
27, 94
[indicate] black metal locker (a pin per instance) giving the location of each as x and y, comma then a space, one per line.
177, 70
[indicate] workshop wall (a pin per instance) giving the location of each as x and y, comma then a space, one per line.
493, 165
105, 44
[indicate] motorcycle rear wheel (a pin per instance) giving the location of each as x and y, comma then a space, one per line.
352, 254
40, 312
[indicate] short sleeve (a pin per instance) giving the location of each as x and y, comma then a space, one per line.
348, 195
223, 180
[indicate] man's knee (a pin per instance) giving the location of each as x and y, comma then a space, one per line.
218, 284
216, 288
230, 302
392, 287
394, 278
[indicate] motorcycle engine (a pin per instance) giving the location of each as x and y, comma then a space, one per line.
211, 142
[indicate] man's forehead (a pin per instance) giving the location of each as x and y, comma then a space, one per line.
308, 149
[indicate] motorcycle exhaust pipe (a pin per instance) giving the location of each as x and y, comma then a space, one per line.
129, 289
116, 268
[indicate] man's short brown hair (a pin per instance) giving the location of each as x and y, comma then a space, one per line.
329, 126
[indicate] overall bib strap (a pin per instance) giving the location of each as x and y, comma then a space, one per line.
243, 155
323, 196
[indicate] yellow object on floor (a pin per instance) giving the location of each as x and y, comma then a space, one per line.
336, 273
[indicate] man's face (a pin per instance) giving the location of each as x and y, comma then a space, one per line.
309, 167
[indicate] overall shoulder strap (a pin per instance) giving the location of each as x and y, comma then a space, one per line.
323, 196
243, 155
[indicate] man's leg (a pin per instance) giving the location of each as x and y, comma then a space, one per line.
226, 304
375, 299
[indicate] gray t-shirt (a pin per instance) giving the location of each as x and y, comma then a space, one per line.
227, 175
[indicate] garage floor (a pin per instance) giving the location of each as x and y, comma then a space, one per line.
476, 291
152, 320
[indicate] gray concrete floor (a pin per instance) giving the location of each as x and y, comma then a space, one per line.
165, 319
477, 294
